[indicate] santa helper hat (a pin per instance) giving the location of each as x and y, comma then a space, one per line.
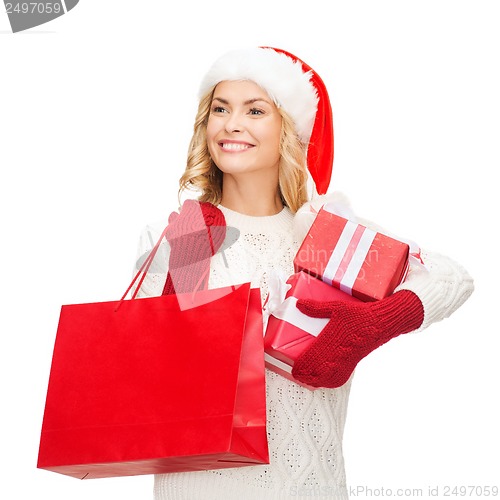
293, 86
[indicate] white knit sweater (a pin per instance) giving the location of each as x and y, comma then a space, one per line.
305, 427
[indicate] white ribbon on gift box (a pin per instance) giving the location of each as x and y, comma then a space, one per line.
343, 267
277, 363
287, 311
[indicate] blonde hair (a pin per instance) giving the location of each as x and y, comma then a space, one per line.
203, 175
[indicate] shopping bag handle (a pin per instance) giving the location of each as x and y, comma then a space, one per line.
147, 264
143, 269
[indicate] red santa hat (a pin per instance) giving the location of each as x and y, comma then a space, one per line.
293, 86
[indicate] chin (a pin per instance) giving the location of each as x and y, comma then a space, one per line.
235, 167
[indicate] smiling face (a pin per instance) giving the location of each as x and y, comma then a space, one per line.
244, 129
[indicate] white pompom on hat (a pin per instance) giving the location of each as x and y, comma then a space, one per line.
294, 86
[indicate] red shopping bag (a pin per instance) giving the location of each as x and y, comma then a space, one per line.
144, 386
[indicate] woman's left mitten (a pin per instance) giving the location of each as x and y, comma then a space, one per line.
354, 330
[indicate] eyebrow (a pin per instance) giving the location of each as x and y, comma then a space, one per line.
247, 102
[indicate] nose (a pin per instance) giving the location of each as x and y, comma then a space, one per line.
234, 123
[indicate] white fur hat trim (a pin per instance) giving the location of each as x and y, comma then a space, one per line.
279, 75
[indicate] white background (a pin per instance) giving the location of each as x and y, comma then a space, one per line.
96, 111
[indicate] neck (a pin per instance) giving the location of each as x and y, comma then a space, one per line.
260, 197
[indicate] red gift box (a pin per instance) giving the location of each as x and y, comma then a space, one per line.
357, 260
289, 332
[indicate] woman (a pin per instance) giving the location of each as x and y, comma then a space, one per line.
264, 122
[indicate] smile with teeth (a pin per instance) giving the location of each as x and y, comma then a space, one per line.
235, 146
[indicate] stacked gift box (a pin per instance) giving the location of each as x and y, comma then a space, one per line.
338, 260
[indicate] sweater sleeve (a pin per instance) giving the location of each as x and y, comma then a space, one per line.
442, 288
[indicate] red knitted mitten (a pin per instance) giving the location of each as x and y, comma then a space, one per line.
354, 330
194, 235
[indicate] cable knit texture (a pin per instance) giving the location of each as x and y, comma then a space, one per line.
305, 427
443, 289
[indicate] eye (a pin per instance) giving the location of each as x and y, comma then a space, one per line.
256, 111
218, 109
